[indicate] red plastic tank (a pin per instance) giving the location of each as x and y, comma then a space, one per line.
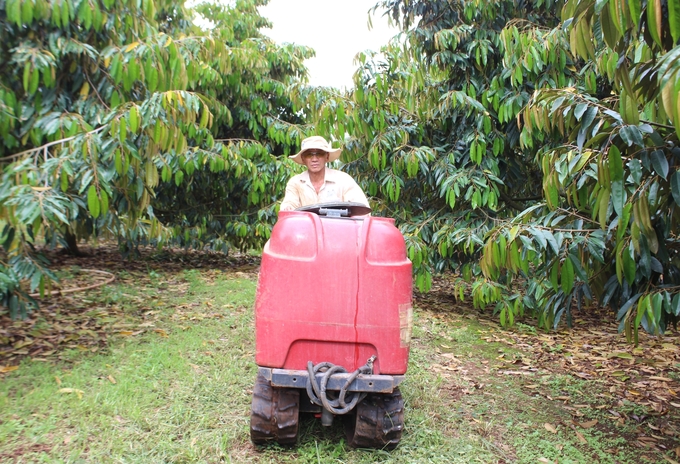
334, 290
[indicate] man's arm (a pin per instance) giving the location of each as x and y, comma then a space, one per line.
291, 200
353, 193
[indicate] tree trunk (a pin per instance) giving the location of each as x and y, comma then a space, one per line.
71, 242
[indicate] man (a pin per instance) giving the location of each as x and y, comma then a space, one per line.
319, 184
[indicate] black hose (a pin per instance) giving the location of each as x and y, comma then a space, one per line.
318, 394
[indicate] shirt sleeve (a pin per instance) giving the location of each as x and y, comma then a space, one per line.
291, 200
353, 193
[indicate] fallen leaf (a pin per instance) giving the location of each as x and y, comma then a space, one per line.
57, 379
161, 332
111, 379
580, 437
589, 424
5, 369
550, 428
72, 390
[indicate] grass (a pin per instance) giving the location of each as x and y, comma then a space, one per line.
174, 386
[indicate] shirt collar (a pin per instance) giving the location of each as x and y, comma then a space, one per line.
329, 176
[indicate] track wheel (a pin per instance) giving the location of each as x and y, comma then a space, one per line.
378, 423
274, 414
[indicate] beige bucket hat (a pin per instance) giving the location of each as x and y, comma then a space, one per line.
316, 142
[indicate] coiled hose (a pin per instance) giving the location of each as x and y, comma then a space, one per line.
317, 392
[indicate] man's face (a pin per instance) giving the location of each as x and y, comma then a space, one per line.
315, 160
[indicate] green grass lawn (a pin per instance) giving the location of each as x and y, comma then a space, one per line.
173, 384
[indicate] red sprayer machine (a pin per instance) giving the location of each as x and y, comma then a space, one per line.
333, 320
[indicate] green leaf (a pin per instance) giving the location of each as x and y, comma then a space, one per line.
578, 268
65, 13
588, 117
675, 304
27, 76
56, 14
204, 117
553, 195
13, 8
674, 19
616, 178
118, 162
624, 219
152, 81
631, 135
64, 181
179, 177
35, 81
122, 131
134, 119
567, 276
27, 12
554, 275
603, 207
635, 11
654, 20
93, 201
104, 202
660, 163
609, 28
579, 110
115, 99
629, 266
675, 187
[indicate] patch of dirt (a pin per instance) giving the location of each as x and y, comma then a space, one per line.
85, 320
635, 390
28, 449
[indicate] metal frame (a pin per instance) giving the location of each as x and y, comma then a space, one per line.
289, 378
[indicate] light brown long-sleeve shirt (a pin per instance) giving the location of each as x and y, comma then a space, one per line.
337, 186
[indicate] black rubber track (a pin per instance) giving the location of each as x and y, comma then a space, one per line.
378, 423
274, 414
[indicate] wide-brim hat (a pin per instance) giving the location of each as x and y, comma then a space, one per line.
316, 142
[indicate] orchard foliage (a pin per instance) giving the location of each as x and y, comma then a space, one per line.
126, 120
436, 134
531, 146
612, 158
